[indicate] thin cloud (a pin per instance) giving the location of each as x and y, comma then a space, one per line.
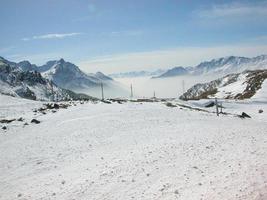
52, 36
234, 10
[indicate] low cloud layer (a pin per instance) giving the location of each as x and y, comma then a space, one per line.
187, 56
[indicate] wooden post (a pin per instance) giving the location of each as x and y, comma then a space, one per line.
154, 96
216, 104
102, 91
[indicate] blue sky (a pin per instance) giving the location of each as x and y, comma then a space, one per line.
123, 35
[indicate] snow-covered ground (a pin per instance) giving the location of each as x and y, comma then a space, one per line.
12, 107
133, 151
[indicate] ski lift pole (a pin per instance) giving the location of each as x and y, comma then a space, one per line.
131, 91
102, 91
216, 105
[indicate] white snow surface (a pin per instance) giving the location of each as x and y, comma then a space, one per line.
261, 94
16, 107
232, 89
133, 151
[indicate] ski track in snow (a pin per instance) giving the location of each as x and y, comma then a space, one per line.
134, 151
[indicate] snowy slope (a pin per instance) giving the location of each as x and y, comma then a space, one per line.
134, 151
261, 95
14, 107
234, 86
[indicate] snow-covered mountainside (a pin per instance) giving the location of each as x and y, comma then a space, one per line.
68, 75
231, 64
221, 66
30, 84
176, 71
234, 86
138, 74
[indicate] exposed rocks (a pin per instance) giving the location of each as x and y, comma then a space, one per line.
52, 106
105, 101
20, 119
210, 104
7, 121
169, 104
119, 101
244, 115
35, 121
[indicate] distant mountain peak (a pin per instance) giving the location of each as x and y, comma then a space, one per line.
61, 60
176, 71
102, 76
25, 62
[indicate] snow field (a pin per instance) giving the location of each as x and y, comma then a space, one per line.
134, 151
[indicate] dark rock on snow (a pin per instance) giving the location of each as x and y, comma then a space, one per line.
244, 115
35, 121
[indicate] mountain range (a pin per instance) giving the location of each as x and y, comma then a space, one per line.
222, 66
54, 79
65, 74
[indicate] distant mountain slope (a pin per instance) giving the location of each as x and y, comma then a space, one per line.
102, 76
133, 74
234, 86
31, 85
26, 66
231, 64
221, 66
68, 75
176, 71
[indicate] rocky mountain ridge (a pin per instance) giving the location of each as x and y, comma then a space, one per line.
233, 86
